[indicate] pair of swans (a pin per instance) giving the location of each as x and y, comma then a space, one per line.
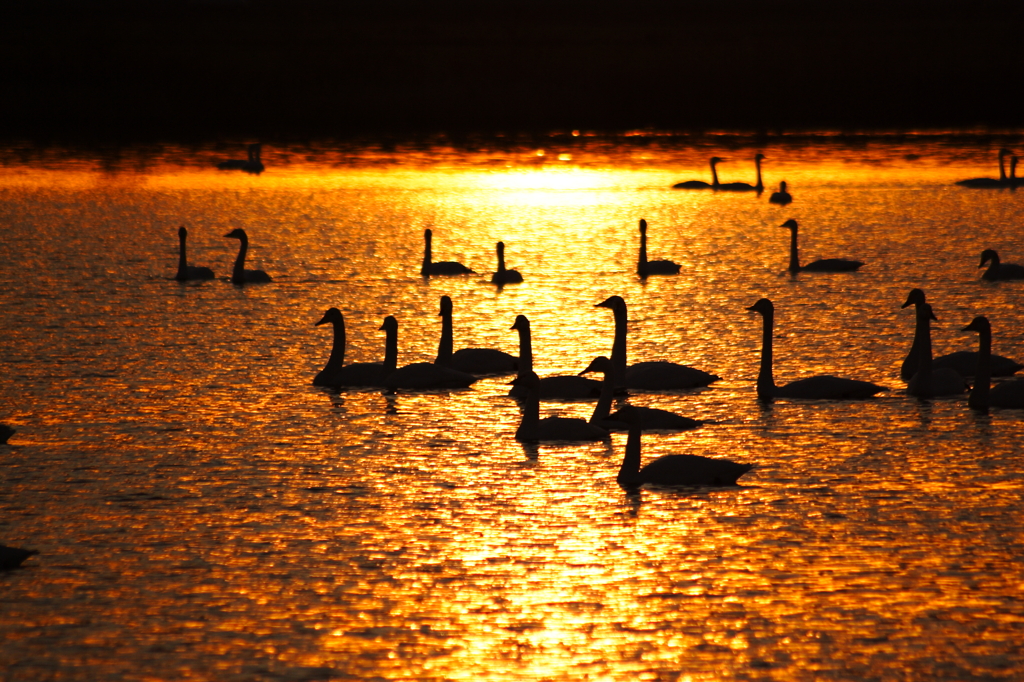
822, 265
997, 270
727, 186
646, 267
651, 418
1008, 394
253, 164
430, 268
928, 381
239, 274
993, 183
12, 557
823, 387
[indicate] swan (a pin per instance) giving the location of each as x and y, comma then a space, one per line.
503, 276
928, 381
646, 267
825, 265
989, 183
251, 165
11, 557
469, 360
651, 418
442, 268
418, 375
559, 387
336, 373
1009, 394
532, 427
239, 275
700, 184
688, 470
822, 387
742, 186
999, 270
782, 197
5, 433
965, 363
186, 271
653, 376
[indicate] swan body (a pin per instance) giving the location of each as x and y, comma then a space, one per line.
338, 374
742, 186
651, 418
469, 360
503, 276
989, 183
560, 387
646, 267
12, 557
929, 381
824, 265
1008, 394
239, 275
822, 387
700, 184
430, 268
681, 470
186, 271
533, 428
253, 164
997, 270
782, 197
5, 433
419, 375
652, 376
964, 363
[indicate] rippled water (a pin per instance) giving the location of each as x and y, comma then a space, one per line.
203, 513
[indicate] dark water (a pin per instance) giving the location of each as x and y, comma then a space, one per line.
203, 513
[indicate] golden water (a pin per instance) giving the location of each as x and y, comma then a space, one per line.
203, 513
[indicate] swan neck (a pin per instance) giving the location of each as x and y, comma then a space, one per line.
391, 350
924, 330
794, 252
337, 359
531, 416
714, 175
629, 472
641, 263
182, 258
912, 363
765, 378
501, 261
1002, 168
604, 402
238, 273
760, 184
444, 348
525, 351
427, 258
978, 400
618, 358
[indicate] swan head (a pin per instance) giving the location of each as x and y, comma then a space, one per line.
715, 160
237, 233
782, 186
521, 323
763, 306
428, 234
333, 315
446, 306
501, 248
915, 297
1003, 152
598, 364
614, 302
988, 255
643, 226
978, 324
528, 380
759, 157
791, 224
182, 232
390, 324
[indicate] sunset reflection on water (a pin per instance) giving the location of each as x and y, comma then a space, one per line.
203, 512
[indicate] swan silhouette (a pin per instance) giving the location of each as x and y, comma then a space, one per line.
559, 387
1008, 394
782, 197
653, 376
469, 360
928, 381
700, 184
186, 271
681, 470
440, 268
646, 267
251, 165
336, 373
822, 387
418, 375
5, 433
11, 557
989, 183
533, 428
503, 276
239, 275
965, 363
742, 186
997, 270
824, 265
651, 418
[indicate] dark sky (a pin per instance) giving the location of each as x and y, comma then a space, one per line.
297, 69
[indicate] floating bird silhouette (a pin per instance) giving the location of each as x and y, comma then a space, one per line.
672, 470
186, 271
929, 381
822, 387
997, 270
337, 374
5, 433
559, 387
1008, 394
646, 267
418, 375
503, 275
431, 268
989, 183
253, 164
700, 184
823, 265
533, 428
782, 197
469, 360
12, 557
239, 275
651, 418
